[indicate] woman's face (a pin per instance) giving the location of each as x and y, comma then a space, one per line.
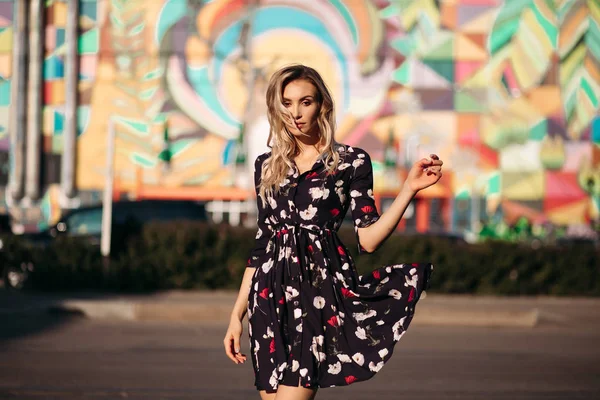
300, 98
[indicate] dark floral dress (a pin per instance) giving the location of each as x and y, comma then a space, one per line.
313, 321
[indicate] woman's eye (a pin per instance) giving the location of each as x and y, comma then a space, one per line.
306, 103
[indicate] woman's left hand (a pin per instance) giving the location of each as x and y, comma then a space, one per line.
424, 173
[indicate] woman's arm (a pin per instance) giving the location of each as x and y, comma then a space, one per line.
423, 174
241, 304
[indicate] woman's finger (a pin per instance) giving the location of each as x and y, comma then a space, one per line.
228, 342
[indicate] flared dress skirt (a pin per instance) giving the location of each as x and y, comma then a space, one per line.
313, 321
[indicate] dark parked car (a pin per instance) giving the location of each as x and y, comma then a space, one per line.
86, 222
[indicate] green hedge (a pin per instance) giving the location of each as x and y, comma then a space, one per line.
186, 255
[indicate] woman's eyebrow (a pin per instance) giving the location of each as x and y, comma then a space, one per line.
302, 98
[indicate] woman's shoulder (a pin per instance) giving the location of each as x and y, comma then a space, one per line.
351, 152
261, 158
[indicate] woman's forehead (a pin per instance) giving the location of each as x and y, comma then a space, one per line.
298, 89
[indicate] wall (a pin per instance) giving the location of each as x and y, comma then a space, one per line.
505, 92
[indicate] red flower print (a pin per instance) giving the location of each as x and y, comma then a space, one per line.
310, 248
312, 175
347, 293
376, 274
341, 251
281, 301
264, 293
284, 231
335, 212
414, 264
272, 346
333, 321
411, 295
367, 209
349, 379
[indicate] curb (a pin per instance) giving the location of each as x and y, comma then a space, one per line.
216, 313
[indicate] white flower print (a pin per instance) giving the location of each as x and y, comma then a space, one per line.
272, 202
355, 193
273, 381
319, 302
315, 193
380, 322
346, 266
344, 358
375, 367
335, 369
358, 162
291, 205
388, 270
361, 155
282, 366
339, 183
383, 353
359, 359
370, 193
283, 214
412, 281
303, 372
341, 195
395, 294
299, 328
353, 206
339, 276
268, 334
297, 313
362, 316
266, 267
361, 333
384, 280
309, 213
343, 166
290, 293
295, 365
259, 233
412, 271
350, 149
285, 182
323, 273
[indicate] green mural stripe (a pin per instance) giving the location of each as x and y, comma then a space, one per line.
443, 51
463, 194
390, 11
402, 74
136, 30
142, 160
5, 93
589, 91
140, 127
118, 4
494, 184
592, 38
539, 130
405, 45
465, 103
180, 146
148, 93
341, 7
89, 42
443, 68
150, 75
548, 26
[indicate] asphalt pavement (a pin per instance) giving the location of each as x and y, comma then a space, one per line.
68, 356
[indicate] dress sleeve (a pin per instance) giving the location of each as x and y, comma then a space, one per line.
362, 203
264, 230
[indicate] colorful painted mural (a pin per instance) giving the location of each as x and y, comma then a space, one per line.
507, 92
6, 35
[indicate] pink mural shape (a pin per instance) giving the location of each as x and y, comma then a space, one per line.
464, 69
563, 185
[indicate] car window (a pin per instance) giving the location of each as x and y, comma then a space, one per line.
85, 222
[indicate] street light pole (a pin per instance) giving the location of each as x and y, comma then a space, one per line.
108, 193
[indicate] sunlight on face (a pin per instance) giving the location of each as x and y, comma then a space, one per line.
300, 98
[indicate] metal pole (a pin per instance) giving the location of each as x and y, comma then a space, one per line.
18, 95
34, 95
72, 78
108, 191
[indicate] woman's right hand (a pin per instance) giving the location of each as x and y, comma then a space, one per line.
232, 341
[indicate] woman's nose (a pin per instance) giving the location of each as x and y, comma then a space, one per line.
296, 112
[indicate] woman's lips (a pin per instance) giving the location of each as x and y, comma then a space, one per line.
300, 125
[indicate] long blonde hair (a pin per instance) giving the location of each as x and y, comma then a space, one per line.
281, 141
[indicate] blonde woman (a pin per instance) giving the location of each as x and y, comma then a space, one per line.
313, 321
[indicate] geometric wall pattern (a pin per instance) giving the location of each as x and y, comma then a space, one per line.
506, 92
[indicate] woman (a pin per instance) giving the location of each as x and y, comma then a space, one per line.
313, 322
